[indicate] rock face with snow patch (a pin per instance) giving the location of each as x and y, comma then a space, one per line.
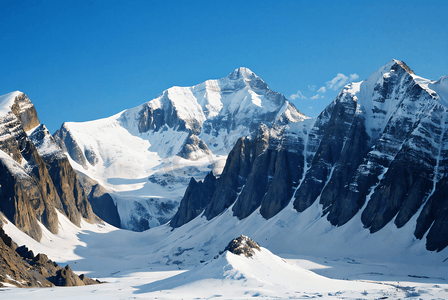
378, 152
36, 178
184, 132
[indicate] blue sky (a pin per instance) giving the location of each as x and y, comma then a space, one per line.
85, 60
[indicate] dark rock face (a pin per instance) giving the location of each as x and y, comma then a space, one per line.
378, 150
71, 194
19, 267
101, 201
27, 195
434, 217
326, 156
287, 172
215, 197
235, 172
259, 172
66, 141
33, 186
104, 207
243, 245
196, 198
25, 252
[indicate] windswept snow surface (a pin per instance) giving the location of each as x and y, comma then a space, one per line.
441, 88
12, 165
6, 101
313, 261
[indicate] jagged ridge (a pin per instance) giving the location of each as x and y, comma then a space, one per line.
380, 148
36, 178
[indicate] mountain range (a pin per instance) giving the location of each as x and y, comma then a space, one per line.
200, 165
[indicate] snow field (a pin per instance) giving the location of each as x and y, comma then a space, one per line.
318, 261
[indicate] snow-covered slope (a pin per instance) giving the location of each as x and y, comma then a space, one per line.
146, 155
317, 260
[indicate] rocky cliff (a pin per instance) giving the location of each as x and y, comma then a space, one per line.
378, 152
36, 178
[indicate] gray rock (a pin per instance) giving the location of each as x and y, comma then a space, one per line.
243, 245
196, 198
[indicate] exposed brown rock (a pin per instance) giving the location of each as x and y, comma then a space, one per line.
33, 187
66, 277
22, 269
25, 111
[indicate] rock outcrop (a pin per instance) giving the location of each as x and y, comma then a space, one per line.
36, 178
19, 267
243, 245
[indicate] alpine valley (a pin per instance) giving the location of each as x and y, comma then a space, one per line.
226, 190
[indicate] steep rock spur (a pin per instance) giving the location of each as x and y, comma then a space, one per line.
36, 178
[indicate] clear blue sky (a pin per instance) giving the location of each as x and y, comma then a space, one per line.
85, 60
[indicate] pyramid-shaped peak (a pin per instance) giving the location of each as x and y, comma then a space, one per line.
403, 65
7, 100
242, 72
391, 66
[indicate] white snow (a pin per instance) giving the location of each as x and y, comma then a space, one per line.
313, 261
46, 145
6, 101
441, 88
13, 167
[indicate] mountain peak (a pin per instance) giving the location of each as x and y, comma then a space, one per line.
242, 72
403, 65
6, 101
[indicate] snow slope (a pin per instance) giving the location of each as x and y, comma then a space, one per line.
149, 265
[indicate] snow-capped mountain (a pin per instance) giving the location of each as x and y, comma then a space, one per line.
144, 157
377, 153
344, 205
